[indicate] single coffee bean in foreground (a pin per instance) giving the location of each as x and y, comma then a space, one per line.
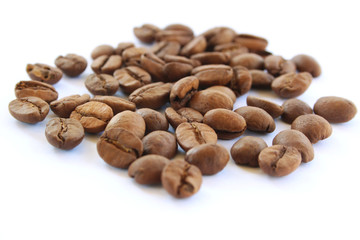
36, 89
176, 117
182, 91
64, 106
257, 119
101, 84
117, 104
335, 109
293, 108
271, 108
64, 133
153, 95
154, 120
29, 109
291, 85
102, 50
132, 78
306, 63
71, 64
161, 143
131, 121
246, 150
205, 100
44, 73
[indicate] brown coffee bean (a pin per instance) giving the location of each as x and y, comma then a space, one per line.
174, 71
293, 108
153, 65
209, 158
241, 82
101, 84
147, 169
298, 140
161, 49
219, 35
276, 65
106, 64
205, 100
196, 45
131, 121
94, 116
119, 147
182, 91
29, 109
132, 78
261, 79
252, 42
121, 47
306, 63
262, 53
181, 59
153, 95
248, 60
246, 150
117, 104
179, 27
181, 179
102, 50
227, 124
189, 135
213, 74
64, 106
257, 119
271, 108
44, 73
146, 33
313, 126
225, 90
231, 49
211, 58
154, 120
71, 64
291, 85
176, 117
181, 34
64, 133
36, 89
335, 109
279, 160
160, 142
131, 56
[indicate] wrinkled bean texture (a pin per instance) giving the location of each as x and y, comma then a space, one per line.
29, 109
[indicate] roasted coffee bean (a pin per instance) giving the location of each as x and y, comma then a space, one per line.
146, 33
64, 133
119, 148
121, 47
160, 142
147, 169
101, 84
279, 160
231, 49
174, 71
262, 53
241, 81
211, 58
261, 79
181, 179
179, 27
153, 95
131, 56
313, 126
271, 108
189, 135
298, 140
117, 104
209, 158
154, 120
206, 100
291, 85
181, 59
246, 150
219, 35
176, 117
36, 89
213, 74
106, 64
102, 50
196, 45
276, 65
257, 119
94, 116
161, 49
132, 78
335, 109
29, 109
64, 106
71, 64
306, 63
227, 124
44, 73
131, 121
293, 108
153, 65
252, 42
225, 90
182, 91
178, 33
248, 60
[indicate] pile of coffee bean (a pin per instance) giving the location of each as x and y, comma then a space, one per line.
197, 79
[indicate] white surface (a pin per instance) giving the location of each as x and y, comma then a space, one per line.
47, 193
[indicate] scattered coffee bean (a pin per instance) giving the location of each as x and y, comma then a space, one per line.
276, 65
36, 89
176, 117
175, 32
131, 121
44, 73
146, 33
211, 58
306, 63
182, 91
252, 42
181, 59
219, 35
293, 108
102, 50
71, 64
241, 82
248, 60
121, 47
196, 45
205, 100
106, 64
153, 65
246, 150
271, 108
291, 85
231, 49
213, 74
132, 78
161, 143
335, 109
131, 56
230, 93
261, 79
153, 95
117, 104
257, 119
64, 106
154, 120
161, 49
101, 84
29, 109
173, 71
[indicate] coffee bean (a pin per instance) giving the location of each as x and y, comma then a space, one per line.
182, 91
146, 33
279, 160
261, 79
174, 71
102, 50
131, 56
71, 64
153, 65
101, 84
291, 85
298, 140
271, 108
153, 95
241, 82
94, 116
117, 104
248, 60
160, 142
293, 108
178, 33
44, 73
29, 109
181, 59
205, 100
176, 117
64, 133
181, 179
179, 27
227, 124
209, 158
121, 47
211, 58
161, 49
313, 126
119, 147
196, 45
246, 150
131, 121
147, 169
154, 120
213, 74
306, 63
132, 78
189, 135
252, 42
257, 119
64, 106
230, 93
219, 35
276, 65
232, 49
106, 64
36, 89
335, 109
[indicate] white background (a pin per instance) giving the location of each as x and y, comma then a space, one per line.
46, 193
